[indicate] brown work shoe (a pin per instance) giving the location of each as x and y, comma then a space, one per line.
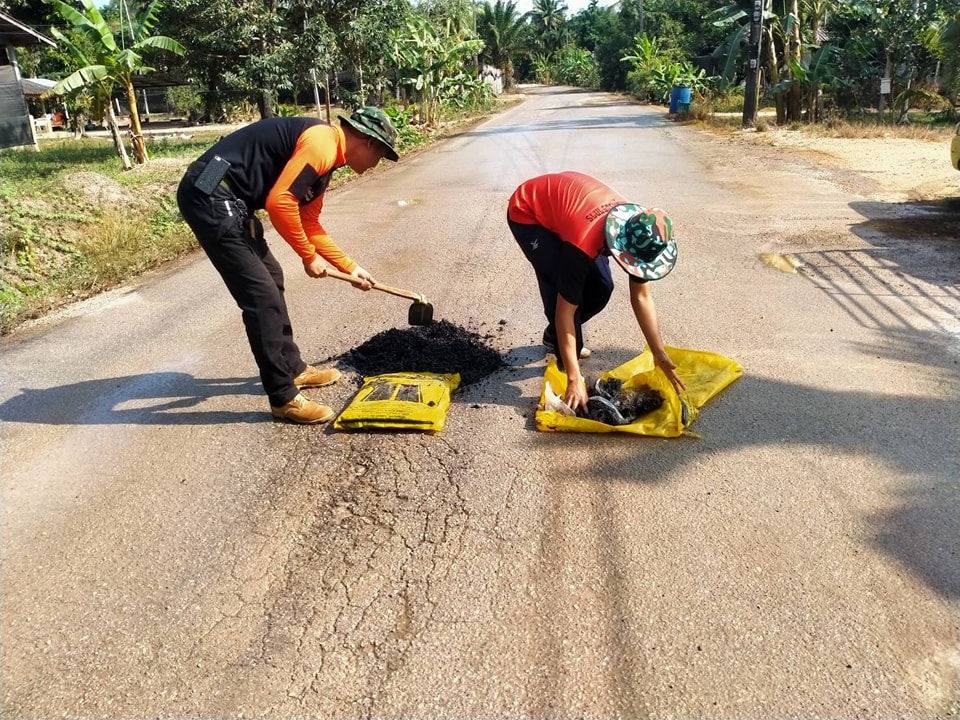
302, 410
316, 377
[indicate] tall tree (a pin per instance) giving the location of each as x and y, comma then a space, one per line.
501, 28
219, 37
817, 13
942, 39
793, 54
584, 26
30, 12
114, 63
549, 18
620, 25
454, 18
365, 32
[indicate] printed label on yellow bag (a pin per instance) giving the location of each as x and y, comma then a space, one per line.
408, 401
704, 373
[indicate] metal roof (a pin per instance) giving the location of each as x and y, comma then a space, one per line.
13, 32
156, 80
35, 87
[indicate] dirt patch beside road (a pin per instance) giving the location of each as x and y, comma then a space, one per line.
887, 169
903, 187
874, 222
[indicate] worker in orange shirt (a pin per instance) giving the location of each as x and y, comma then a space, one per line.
282, 165
568, 224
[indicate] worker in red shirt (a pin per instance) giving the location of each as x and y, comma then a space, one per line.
282, 165
568, 224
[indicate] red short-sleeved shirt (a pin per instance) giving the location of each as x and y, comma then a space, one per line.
571, 204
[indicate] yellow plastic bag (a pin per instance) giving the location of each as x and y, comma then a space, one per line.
705, 374
408, 401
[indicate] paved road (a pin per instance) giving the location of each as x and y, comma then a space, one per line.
168, 551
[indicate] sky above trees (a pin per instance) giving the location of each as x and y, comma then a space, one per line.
573, 6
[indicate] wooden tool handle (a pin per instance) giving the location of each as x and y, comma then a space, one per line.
377, 286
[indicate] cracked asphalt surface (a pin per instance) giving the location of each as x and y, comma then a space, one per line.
169, 551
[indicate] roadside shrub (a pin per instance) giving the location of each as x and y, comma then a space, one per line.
699, 111
729, 99
640, 84
577, 67
238, 111
284, 110
185, 101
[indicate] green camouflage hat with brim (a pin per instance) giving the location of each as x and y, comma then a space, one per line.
373, 122
641, 240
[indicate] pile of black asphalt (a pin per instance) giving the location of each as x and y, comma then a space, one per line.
440, 347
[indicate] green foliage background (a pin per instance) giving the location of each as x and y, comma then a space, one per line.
822, 60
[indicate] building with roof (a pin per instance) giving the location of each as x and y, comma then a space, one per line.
16, 125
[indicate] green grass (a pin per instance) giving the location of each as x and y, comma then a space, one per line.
73, 223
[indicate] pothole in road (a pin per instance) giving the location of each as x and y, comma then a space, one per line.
783, 263
441, 347
927, 221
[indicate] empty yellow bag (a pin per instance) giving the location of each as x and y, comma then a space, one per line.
408, 401
705, 374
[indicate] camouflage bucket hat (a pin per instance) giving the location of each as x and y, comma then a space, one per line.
641, 240
374, 123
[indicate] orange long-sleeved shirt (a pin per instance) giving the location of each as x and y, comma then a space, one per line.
283, 165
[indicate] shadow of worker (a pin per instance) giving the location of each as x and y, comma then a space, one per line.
164, 398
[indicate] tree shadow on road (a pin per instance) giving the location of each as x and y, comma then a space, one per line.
164, 398
918, 239
650, 122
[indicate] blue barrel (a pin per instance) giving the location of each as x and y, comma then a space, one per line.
680, 95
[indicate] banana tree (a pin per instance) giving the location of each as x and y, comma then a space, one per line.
425, 58
113, 64
734, 47
646, 53
91, 81
819, 71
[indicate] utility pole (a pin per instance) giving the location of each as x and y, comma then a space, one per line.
752, 89
473, 15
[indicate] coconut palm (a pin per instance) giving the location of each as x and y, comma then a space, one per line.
548, 17
112, 64
942, 39
500, 27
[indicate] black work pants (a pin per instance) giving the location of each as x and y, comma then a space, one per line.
542, 248
233, 240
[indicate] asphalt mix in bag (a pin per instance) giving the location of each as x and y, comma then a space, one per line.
440, 347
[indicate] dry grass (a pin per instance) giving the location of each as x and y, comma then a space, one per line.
868, 129
117, 248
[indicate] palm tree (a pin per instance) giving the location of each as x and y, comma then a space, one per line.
501, 29
548, 18
942, 39
794, 53
817, 11
112, 64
